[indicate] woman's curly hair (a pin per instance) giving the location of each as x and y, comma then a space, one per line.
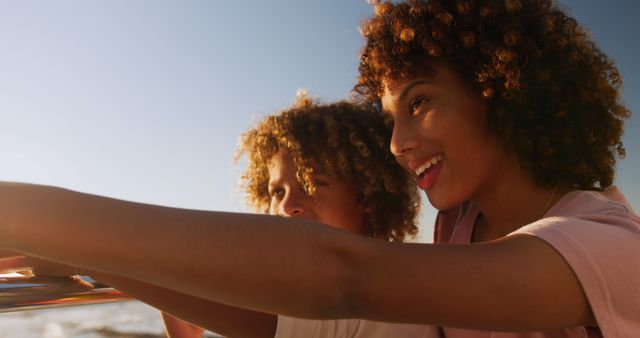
346, 140
553, 95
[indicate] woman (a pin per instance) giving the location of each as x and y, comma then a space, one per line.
516, 91
508, 116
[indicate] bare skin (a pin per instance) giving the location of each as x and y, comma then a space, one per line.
333, 275
224, 319
520, 283
334, 204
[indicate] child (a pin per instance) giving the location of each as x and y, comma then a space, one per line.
325, 162
329, 163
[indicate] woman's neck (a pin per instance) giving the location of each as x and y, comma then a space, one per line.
512, 201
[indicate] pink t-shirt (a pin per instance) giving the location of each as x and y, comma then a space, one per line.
598, 234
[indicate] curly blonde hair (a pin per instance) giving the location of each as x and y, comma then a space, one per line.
553, 96
346, 140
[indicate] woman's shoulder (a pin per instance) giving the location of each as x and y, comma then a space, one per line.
589, 219
608, 206
598, 235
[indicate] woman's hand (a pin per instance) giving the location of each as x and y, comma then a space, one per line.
31, 266
41, 280
13, 262
9, 254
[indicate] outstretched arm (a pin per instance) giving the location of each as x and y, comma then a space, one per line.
296, 267
225, 257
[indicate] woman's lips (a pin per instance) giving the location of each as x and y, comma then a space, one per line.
429, 176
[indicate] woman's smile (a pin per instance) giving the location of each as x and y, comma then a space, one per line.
440, 135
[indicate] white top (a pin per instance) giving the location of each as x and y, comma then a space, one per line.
289, 327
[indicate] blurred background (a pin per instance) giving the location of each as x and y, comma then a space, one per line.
144, 100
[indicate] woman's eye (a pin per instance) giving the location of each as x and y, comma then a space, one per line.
322, 182
416, 103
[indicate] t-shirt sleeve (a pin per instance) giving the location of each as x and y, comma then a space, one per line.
604, 253
289, 327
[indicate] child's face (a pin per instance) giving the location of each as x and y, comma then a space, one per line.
335, 201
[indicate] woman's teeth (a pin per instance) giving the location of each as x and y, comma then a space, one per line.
434, 160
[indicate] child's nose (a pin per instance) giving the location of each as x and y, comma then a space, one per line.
294, 204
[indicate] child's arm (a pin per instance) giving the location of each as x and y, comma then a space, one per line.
223, 319
178, 328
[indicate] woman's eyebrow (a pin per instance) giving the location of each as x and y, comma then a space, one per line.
405, 91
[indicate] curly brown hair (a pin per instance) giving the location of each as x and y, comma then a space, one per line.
347, 140
553, 95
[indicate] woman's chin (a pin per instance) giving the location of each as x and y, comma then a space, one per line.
441, 201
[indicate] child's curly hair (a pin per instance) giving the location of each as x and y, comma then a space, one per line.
346, 140
553, 96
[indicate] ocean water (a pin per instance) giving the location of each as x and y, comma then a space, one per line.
84, 316
128, 319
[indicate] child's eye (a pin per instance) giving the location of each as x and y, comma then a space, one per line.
277, 193
416, 103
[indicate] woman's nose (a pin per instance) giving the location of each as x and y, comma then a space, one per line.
403, 139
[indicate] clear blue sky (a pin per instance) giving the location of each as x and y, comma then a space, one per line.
144, 100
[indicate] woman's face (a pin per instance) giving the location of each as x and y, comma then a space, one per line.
440, 135
334, 203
